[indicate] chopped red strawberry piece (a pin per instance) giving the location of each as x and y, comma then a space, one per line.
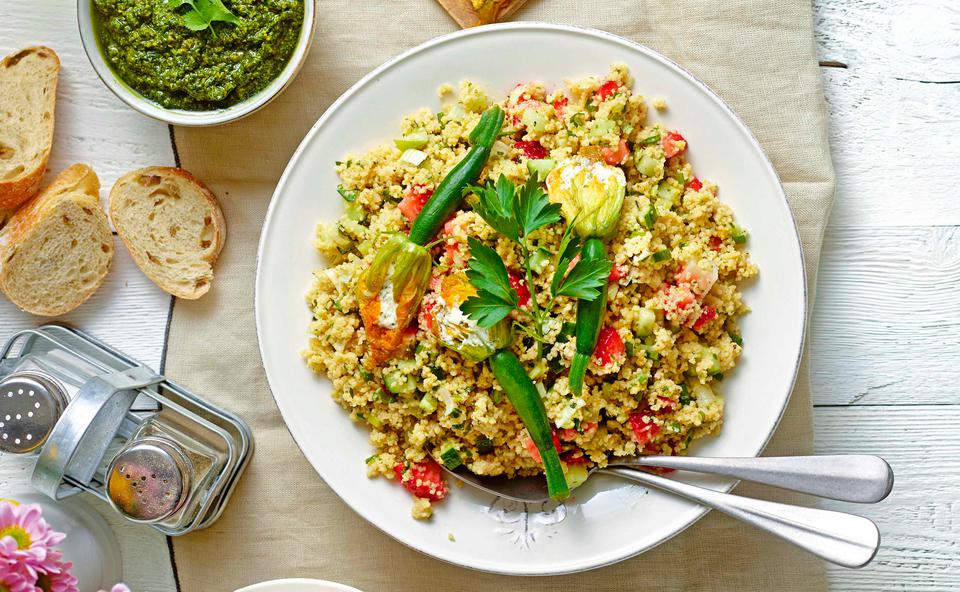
414, 200
519, 286
609, 346
695, 184
643, 431
607, 89
424, 479
709, 313
617, 272
716, 242
616, 156
673, 144
560, 103
534, 451
567, 435
532, 149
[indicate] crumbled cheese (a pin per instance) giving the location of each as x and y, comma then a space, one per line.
388, 306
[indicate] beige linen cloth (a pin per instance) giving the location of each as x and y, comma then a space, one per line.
283, 520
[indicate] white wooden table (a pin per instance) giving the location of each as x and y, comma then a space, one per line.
886, 336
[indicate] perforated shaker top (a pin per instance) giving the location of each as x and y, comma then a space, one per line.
30, 405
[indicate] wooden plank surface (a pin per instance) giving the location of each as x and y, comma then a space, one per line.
129, 312
884, 341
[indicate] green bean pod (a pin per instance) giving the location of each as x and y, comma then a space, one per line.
449, 194
525, 398
589, 317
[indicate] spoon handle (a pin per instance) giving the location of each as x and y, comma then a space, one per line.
844, 539
847, 477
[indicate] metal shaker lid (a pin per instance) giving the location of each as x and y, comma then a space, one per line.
30, 405
149, 480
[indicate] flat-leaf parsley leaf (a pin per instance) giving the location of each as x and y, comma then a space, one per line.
204, 12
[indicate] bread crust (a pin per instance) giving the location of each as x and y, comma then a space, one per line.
15, 192
219, 224
78, 178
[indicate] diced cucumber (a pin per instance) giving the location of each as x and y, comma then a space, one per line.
650, 166
667, 194
540, 258
534, 120
708, 354
602, 127
428, 404
351, 228
374, 421
407, 366
651, 351
450, 456
649, 216
413, 156
484, 445
650, 161
541, 167
330, 236
355, 212
738, 234
365, 247
412, 141
576, 475
662, 255
645, 323
397, 383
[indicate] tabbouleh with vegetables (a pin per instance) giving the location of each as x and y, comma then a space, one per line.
668, 336
149, 45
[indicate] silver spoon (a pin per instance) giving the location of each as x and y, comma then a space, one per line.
844, 539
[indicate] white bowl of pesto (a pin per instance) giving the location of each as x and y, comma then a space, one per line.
196, 62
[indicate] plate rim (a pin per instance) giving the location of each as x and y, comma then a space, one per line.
783, 203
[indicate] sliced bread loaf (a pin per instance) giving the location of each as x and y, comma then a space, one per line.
28, 93
173, 227
57, 248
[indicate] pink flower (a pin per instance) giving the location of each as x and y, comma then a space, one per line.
118, 588
26, 539
15, 581
55, 576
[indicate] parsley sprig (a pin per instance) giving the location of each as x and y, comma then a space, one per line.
516, 213
203, 13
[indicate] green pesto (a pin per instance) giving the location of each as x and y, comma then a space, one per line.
148, 46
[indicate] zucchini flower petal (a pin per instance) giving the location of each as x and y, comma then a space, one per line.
389, 293
590, 194
456, 330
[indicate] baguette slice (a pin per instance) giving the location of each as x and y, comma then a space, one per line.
28, 93
56, 250
173, 227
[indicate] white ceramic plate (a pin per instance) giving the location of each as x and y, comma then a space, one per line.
608, 520
298, 585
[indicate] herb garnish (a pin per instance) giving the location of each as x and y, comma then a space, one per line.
203, 13
516, 213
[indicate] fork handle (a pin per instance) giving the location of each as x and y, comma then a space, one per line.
846, 477
844, 539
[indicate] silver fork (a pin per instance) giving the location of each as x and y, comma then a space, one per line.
844, 539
